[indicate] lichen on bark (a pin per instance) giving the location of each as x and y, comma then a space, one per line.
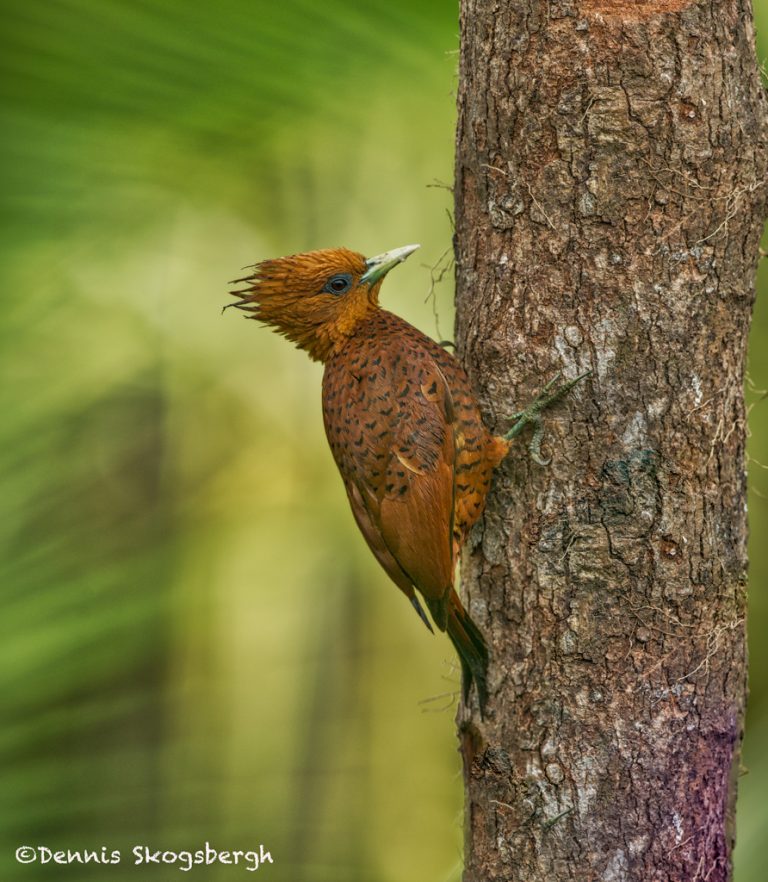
610, 189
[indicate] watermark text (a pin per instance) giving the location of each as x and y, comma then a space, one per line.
144, 855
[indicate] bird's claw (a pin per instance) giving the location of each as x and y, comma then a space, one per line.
534, 448
532, 415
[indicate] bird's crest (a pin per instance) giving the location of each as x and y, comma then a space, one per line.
314, 299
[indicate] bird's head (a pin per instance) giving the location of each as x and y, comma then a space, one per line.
317, 299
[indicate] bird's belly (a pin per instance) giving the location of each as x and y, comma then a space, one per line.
478, 453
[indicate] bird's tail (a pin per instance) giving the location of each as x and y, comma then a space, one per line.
470, 646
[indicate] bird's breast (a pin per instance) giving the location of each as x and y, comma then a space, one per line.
389, 398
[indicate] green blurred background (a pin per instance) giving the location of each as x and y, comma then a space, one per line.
196, 644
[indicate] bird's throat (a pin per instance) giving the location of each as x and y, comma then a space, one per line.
334, 335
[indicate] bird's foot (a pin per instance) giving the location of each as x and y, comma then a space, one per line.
531, 416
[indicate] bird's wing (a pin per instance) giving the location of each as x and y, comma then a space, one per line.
372, 535
396, 455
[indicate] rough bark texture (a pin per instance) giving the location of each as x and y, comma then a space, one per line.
609, 191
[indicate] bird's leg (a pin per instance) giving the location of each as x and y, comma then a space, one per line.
531, 416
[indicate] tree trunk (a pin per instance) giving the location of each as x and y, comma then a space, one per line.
610, 174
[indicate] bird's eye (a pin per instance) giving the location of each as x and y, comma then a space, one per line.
339, 284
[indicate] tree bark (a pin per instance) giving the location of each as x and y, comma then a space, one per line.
610, 186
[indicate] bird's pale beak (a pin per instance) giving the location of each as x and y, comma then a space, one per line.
380, 265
